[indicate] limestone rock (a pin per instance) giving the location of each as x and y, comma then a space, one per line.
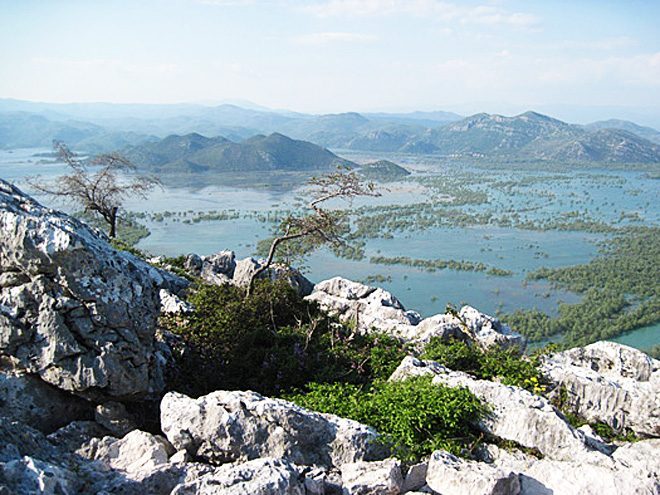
137, 451
114, 418
171, 303
219, 264
415, 477
374, 309
74, 310
470, 325
643, 456
517, 414
28, 475
593, 473
490, 332
411, 367
612, 383
246, 267
449, 475
372, 478
370, 307
227, 426
28, 399
265, 476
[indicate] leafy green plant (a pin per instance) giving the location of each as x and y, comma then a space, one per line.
415, 416
271, 342
504, 365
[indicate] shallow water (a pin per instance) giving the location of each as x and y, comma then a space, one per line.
623, 197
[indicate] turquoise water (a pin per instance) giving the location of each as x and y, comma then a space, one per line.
614, 197
643, 338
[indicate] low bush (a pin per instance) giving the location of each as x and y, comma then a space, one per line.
415, 416
273, 342
504, 365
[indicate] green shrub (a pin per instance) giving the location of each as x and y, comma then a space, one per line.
415, 416
504, 365
273, 342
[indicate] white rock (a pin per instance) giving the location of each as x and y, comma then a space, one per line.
265, 476
517, 414
171, 303
370, 308
137, 451
449, 475
372, 478
227, 426
73, 309
411, 367
612, 383
415, 477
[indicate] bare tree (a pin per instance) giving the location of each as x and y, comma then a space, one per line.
318, 226
95, 185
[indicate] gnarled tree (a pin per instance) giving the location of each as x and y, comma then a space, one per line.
316, 226
96, 184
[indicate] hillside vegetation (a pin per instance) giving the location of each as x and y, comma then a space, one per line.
529, 137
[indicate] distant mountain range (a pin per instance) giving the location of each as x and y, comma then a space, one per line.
194, 153
529, 136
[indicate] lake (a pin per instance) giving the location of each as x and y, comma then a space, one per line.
619, 198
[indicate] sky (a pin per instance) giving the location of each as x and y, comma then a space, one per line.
580, 60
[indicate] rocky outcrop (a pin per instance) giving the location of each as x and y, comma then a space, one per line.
27, 398
228, 426
365, 478
449, 475
591, 474
514, 413
222, 268
265, 476
73, 310
369, 308
611, 383
374, 309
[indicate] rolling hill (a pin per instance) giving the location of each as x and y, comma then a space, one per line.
194, 153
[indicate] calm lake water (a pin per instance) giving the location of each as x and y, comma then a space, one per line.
623, 197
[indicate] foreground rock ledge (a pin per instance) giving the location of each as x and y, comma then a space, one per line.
73, 310
228, 426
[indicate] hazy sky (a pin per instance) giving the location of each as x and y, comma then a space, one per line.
337, 55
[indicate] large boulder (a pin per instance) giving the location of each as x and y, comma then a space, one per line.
29, 399
245, 268
215, 269
514, 413
470, 325
265, 476
611, 383
592, 473
370, 308
374, 309
448, 475
73, 310
228, 426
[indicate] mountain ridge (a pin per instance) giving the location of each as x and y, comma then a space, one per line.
527, 136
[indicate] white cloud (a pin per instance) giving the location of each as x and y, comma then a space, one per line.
492, 16
605, 44
437, 9
324, 38
417, 8
226, 3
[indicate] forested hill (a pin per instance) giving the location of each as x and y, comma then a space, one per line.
194, 153
528, 137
